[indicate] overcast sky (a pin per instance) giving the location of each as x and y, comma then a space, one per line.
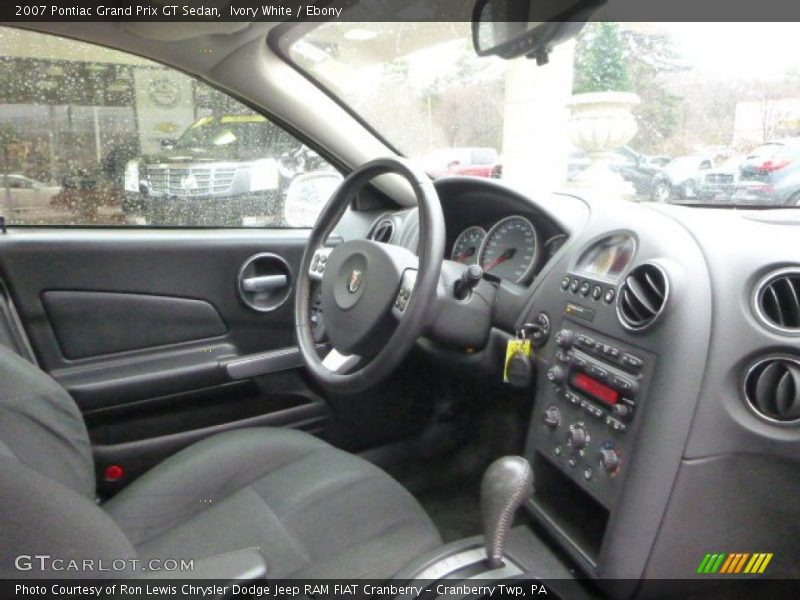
747, 49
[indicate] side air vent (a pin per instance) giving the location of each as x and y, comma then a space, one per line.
642, 296
777, 300
772, 388
382, 231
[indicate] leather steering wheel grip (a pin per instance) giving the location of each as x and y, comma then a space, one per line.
415, 317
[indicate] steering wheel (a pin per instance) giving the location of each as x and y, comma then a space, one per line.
376, 298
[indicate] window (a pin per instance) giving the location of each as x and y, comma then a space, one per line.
92, 136
684, 110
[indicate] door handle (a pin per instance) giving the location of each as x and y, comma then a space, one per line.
264, 283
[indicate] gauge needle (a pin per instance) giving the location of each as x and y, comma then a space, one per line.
466, 254
500, 259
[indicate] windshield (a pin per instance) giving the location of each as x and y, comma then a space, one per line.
646, 102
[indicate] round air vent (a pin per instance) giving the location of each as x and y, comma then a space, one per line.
382, 231
642, 296
772, 387
777, 300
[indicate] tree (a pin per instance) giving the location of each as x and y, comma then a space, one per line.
651, 59
600, 60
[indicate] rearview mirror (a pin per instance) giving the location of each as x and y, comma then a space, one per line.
512, 28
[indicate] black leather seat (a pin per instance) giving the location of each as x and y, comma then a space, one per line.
311, 510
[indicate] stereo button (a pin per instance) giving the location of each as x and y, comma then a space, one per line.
556, 375
598, 372
616, 425
623, 411
565, 338
632, 362
625, 385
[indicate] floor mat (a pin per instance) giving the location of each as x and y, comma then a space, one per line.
455, 510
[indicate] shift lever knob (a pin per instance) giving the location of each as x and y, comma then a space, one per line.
506, 485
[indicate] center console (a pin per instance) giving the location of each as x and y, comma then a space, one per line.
591, 393
584, 428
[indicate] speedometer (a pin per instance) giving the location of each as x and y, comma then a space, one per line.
467, 245
510, 249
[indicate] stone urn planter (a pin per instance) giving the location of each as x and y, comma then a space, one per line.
600, 122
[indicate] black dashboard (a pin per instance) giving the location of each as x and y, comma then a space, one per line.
667, 393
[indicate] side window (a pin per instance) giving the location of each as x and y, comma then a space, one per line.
92, 136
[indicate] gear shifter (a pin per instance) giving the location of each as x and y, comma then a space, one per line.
506, 485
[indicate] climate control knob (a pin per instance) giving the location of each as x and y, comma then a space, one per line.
577, 438
565, 338
556, 375
552, 417
609, 459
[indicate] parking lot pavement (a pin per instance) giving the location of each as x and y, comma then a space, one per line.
44, 214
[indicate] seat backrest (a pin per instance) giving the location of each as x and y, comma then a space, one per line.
42, 427
47, 484
49, 530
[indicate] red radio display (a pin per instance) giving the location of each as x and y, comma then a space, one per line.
595, 389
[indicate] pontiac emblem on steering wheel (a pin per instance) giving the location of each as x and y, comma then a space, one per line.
355, 281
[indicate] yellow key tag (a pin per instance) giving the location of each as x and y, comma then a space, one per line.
514, 347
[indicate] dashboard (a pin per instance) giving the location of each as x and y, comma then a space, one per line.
668, 378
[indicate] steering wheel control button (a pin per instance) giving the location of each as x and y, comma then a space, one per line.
407, 283
317, 266
609, 297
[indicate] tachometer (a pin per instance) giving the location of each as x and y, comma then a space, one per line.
510, 249
467, 245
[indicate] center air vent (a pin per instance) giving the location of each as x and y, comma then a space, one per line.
777, 300
382, 231
642, 296
772, 388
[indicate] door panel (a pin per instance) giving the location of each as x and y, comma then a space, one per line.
148, 332
115, 321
